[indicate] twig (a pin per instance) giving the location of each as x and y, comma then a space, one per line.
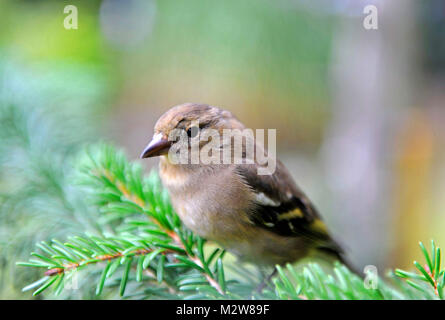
106, 257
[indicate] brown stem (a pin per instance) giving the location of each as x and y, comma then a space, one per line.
106, 257
431, 274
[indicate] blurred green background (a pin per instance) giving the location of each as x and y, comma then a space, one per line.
359, 113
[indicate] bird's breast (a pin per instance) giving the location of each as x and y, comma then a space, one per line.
210, 202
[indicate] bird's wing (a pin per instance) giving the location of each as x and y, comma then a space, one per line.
280, 206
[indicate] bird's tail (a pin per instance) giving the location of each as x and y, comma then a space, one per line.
337, 253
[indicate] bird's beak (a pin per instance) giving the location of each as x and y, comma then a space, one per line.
157, 147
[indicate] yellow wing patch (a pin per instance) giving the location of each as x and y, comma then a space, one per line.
296, 213
319, 226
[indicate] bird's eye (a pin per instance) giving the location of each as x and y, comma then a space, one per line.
192, 131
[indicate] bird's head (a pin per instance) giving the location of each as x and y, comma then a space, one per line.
189, 118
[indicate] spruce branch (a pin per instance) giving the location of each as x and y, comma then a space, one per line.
79, 252
430, 276
312, 282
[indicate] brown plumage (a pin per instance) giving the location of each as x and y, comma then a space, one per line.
265, 219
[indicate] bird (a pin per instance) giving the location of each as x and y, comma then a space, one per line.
263, 219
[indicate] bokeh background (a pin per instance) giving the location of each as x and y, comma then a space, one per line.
360, 114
